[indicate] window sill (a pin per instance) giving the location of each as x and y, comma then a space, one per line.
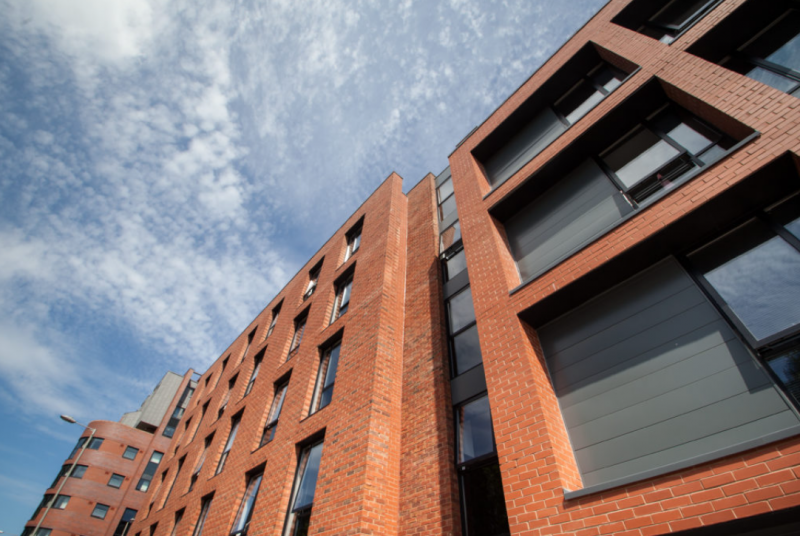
636, 212
697, 460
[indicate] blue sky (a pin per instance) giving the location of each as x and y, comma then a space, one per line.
168, 166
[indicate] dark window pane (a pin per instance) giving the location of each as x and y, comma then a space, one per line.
455, 265
579, 101
308, 483
687, 131
461, 310
786, 365
781, 43
609, 78
246, 509
301, 522
475, 435
467, 350
678, 12
638, 157
485, 505
130, 453
116, 480
762, 287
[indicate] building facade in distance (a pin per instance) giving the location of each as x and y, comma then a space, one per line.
104, 481
588, 324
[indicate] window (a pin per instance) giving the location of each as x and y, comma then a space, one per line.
454, 263
61, 502
580, 85
753, 274
183, 403
125, 523
342, 300
63, 472
465, 348
176, 524
79, 471
570, 206
760, 40
250, 338
305, 482
446, 199
246, 508
205, 505
450, 237
200, 461
149, 471
116, 480
42, 504
297, 338
663, 20
95, 443
484, 507
256, 366
229, 444
78, 446
274, 413
275, 312
174, 479
353, 242
313, 278
130, 453
326, 375
100, 511
224, 403
200, 420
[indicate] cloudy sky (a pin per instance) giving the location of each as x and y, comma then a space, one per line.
168, 165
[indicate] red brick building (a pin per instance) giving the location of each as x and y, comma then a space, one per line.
104, 481
588, 324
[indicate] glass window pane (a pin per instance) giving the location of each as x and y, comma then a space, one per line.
333, 364
467, 350
447, 207
445, 190
759, 282
485, 505
579, 101
772, 79
305, 492
639, 156
781, 43
450, 236
461, 310
608, 77
475, 435
786, 366
687, 131
455, 265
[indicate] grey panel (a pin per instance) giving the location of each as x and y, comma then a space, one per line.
523, 146
577, 209
460, 281
443, 176
448, 221
467, 385
649, 375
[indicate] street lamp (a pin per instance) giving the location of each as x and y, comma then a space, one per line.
70, 420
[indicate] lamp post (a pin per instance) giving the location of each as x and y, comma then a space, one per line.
70, 420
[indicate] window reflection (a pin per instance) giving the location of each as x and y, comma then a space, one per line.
475, 434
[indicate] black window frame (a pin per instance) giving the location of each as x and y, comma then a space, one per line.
639, 16
297, 338
226, 399
298, 517
321, 384
149, 471
462, 330
276, 311
353, 240
130, 449
344, 289
236, 420
205, 506
117, 477
198, 465
313, 281
125, 522
257, 360
275, 408
104, 508
244, 514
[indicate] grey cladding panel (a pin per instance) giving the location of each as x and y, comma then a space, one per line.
577, 209
524, 146
649, 375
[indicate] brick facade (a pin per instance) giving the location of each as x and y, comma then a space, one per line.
388, 464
